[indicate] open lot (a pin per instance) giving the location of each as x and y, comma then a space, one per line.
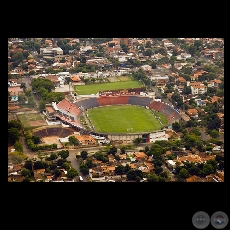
31, 120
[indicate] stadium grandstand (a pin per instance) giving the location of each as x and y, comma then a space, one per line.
69, 113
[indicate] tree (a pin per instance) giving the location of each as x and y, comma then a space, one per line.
213, 162
38, 165
148, 52
152, 177
53, 156
123, 149
148, 44
28, 92
53, 166
14, 124
212, 121
18, 146
21, 97
64, 154
13, 135
101, 157
164, 174
158, 170
31, 101
57, 172
137, 140
214, 133
39, 83
84, 154
36, 139
112, 150
26, 179
89, 163
18, 57
207, 169
190, 140
84, 169
71, 173
134, 173
28, 164
196, 131
25, 172
187, 90
120, 169
74, 141
42, 105
183, 173
124, 47
60, 162
23, 86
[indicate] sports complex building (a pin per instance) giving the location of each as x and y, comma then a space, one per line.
69, 114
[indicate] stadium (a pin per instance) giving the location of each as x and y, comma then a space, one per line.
80, 114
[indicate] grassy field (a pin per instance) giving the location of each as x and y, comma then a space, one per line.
95, 88
123, 119
26, 118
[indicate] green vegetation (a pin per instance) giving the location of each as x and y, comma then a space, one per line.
95, 88
16, 157
123, 119
26, 118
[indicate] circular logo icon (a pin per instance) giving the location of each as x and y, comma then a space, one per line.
201, 220
219, 220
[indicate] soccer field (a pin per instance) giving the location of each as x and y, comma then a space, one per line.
95, 88
27, 118
123, 119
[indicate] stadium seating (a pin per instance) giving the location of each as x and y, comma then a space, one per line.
139, 100
59, 132
170, 113
111, 100
87, 103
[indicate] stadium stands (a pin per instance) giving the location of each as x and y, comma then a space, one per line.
139, 100
102, 101
74, 110
59, 132
170, 113
87, 103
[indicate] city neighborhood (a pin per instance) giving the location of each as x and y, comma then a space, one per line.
115, 109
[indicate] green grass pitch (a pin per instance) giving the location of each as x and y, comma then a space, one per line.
95, 88
123, 119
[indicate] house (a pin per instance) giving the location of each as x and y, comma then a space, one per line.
111, 158
15, 170
149, 165
195, 178
192, 113
170, 164
200, 102
38, 177
108, 170
50, 112
198, 88
51, 51
86, 140
189, 158
181, 80
75, 79
140, 156
54, 79
15, 178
